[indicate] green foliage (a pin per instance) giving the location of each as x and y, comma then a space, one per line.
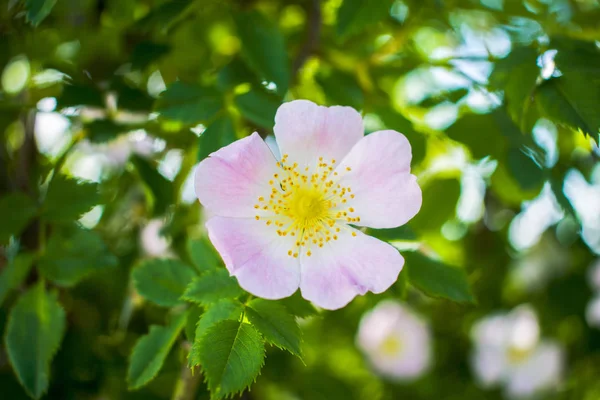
276, 324
188, 103
16, 210
38, 10
13, 275
219, 134
159, 186
356, 15
299, 307
435, 211
258, 107
202, 254
149, 353
72, 253
438, 279
263, 48
68, 199
36, 327
212, 286
231, 354
162, 281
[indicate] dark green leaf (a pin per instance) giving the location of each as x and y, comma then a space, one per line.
527, 173
404, 232
263, 48
38, 10
298, 306
437, 279
67, 199
231, 355
13, 275
103, 130
202, 254
439, 204
189, 103
195, 312
150, 352
80, 95
72, 253
258, 107
145, 53
218, 134
35, 330
277, 325
16, 210
211, 287
162, 281
355, 15
164, 16
342, 88
159, 186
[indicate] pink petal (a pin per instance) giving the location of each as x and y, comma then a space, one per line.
333, 275
306, 131
229, 182
386, 194
256, 256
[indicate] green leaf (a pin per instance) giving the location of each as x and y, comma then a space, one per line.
202, 254
298, 306
38, 10
67, 199
79, 95
481, 134
162, 281
211, 287
159, 186
225, 309
218, 134
195, 312
355, 15
72, 253
189, 103
231, 355
404, 232
572, 100
35, 329
439, 204
258, 107
527, 173
161, 18
103, 130
437, 279
342, 88
13, 275
145, 53
151, 350
263, 48
16, 211
277, 325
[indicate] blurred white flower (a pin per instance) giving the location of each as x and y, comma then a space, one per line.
396, 341
594, 275
585, 198
153, 242
509, 352
592, 312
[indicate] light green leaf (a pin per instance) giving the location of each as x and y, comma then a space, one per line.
189, 103
14, 273
258, 107
38, 10
277, 325
67, 199
218, 134
231, 355
225, 309
151, 350
16, 210
162, 281
72, 253
437, 279
211, 287
202, 254
355, 15
263, 48
36, 326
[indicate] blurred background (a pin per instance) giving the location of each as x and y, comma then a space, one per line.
107, 105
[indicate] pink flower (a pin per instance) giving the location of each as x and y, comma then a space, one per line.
280, 225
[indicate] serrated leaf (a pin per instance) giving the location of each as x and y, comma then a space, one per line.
355, 15
16, 210
225, 309
72, 253
189, 103
162, 281
34, 332
277, 325
67, 199
437, 279
211, 287
218, 134
38, 10
192, 320
14, 273
231, 355
263, 48
299, 306
159, 186
151, 350
258, 107
202, 254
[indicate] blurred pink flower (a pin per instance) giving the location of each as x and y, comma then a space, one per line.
509, 352
395, 340
280, 225
152, 240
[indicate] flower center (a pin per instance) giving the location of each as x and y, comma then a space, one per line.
517, 355
391, 346
307, 203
